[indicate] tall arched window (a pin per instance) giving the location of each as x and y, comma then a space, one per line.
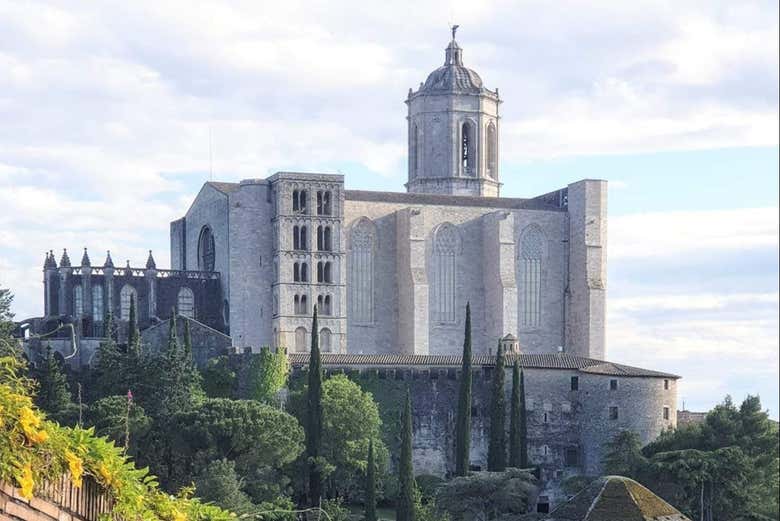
324, 305
299, 238
300, 272
301, 304
467, 148
361, 272
185, 303
126, 296
326, 340
97, 303
492, 150
300, 340
325, 272
531, 253
446, 247
414, 151
324, 206
78, 301
324, 238
299, 201
206, 253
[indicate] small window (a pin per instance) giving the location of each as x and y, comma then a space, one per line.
666, 412
299, 238
543, 505
546, 418
324, 272
301, 304
299, 201
323, 203
571, 457
78, 301
324, 238
666, 385
185, 303
575, 383
323, 305
613, 385
613, 413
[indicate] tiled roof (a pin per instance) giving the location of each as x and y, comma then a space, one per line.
530, 360
448, 200
616, 497
225, 188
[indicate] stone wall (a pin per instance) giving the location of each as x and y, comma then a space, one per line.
55, 502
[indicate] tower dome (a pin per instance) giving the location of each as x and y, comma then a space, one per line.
453, 131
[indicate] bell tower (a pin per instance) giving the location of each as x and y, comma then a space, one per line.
453, 126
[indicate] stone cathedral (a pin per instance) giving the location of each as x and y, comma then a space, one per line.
392, 272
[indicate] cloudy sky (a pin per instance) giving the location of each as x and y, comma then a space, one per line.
107, 109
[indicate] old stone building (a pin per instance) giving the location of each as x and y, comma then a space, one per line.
391, 274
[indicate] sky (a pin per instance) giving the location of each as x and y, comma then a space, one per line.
114, 113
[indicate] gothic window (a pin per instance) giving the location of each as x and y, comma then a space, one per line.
325, 272
467, 148
326, 340
299, 237
97, 303
185, 303
78, 301
531, 251
126, 296
301, 304
300, 340
613, 413
324, 238
323, 203
446, 247
492, 150
361, 267
206, 250
299, 201
324, 306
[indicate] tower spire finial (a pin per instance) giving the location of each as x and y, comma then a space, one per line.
454, 28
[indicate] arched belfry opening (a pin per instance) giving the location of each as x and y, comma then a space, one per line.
453, 131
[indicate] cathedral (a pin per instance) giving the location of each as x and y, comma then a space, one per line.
391, 275
392, 272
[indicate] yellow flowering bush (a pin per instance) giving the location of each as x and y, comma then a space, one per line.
34, 450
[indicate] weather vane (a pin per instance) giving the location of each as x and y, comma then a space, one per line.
454, 28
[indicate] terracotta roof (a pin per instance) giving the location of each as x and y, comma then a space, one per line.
527, 360
613, 498
449, 200
225, 188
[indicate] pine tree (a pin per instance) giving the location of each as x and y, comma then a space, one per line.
514, 418
523, 435
110, 370
463, 425
497, 442
53, 395
370, 502
404, 510
314, 416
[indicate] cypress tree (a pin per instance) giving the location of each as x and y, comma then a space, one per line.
523, 435
404, 510
370, 502
514, 418
463, 425
110, 369
187, 339
497, 442
314, 415
133, 334
53, 395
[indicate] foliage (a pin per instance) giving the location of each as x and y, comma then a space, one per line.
259, 439
370, 496
313, 422
133, 334
463, 425
335, 510
523, 424
425, 509
487, 495
574, 484
53, 395
34, 451
406, 488
112, 417
219, 380
497, 442
218, 483
7, 344
428, 484
268, 374
725, 468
